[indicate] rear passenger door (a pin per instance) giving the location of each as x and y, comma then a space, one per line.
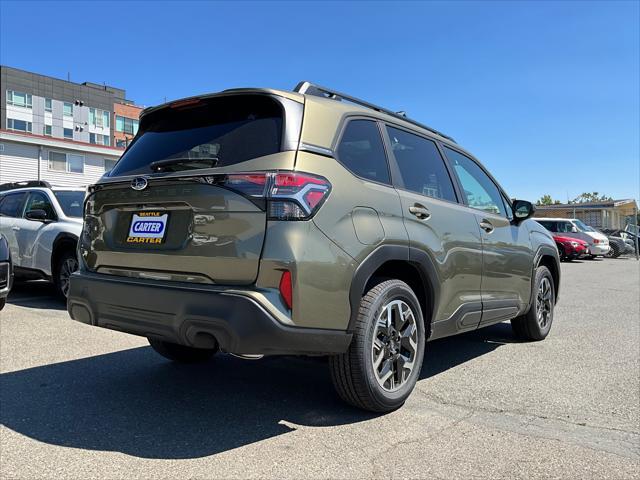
440, 227
507, 254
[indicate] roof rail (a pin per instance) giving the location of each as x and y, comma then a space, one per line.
24, 184
309, 88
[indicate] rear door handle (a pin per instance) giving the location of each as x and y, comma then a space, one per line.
419, 211
486, 225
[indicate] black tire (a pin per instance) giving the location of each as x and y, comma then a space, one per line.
591, 257
614, 251
529, 326
3, 301
181, 353
561, 254
353, 373
67, 263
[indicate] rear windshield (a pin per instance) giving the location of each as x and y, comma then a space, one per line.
215, 132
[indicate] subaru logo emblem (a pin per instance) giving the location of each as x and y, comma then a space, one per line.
139, 183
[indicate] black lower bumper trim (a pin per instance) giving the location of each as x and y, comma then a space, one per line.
193, 316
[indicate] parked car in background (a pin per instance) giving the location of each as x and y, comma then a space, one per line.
572, 227
6, 270
264, 222
622, 243
571, 248
42, 225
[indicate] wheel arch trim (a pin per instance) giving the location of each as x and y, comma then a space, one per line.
414, 257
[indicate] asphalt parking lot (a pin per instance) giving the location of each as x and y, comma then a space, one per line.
81, 402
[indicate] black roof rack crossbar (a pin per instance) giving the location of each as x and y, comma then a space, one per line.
24, 184
309, 88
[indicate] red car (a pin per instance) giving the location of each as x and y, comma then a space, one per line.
571, 248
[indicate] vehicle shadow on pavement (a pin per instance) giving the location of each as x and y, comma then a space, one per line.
36, 294
135, 402
446, 353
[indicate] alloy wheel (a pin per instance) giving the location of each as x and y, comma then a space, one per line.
69, 266
544, 303
395, 345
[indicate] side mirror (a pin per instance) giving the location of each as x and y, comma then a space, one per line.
522, 209
574, 229
38, 215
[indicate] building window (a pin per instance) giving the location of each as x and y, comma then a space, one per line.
18, 99
66, 162
47, 130
19, 125
109, 164
99, 118
48, 105
67, 109
126, 125
68, 133
121, 143
98, 139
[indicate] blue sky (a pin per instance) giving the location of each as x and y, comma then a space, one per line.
546, 94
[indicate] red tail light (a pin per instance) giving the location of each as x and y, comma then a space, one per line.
286, 289
296, 196
289, 195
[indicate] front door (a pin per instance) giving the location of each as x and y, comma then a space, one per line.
507, 254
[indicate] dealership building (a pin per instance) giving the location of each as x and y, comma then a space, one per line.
66, 133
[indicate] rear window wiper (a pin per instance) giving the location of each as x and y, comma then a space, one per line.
160, 165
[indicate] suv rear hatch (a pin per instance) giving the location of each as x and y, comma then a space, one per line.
184, 202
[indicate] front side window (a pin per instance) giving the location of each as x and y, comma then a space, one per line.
39, 201
19, 99
10, 204
361, 150
479, 189
67, 109
19, 125
421, 167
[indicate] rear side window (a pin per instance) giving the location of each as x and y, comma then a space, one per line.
361, 150
10, 204
215, 132
421, 166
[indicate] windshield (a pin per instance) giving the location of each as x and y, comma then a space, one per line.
582, 227
71, 202
213, 132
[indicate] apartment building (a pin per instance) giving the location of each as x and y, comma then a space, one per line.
57, 130
125, 123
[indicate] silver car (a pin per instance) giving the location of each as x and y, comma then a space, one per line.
42, 225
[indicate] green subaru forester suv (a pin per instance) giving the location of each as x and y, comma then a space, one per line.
264, 222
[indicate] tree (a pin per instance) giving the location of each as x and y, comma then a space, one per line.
547, 200
590, 197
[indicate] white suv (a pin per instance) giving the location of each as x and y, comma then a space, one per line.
42, 225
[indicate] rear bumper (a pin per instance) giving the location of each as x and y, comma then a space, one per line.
193, 316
